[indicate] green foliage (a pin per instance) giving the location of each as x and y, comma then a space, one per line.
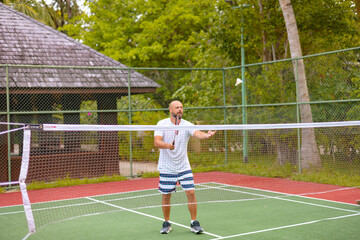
326, 25
75, 26
159, 33
142, 143
139, 103
207, 34
201, 89
138, 117
28, 7
54, 14
259, 165
88, 117
143, 33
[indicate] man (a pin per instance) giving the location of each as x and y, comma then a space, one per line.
174, 164
358, 201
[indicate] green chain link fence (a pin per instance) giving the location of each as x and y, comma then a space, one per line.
76, 95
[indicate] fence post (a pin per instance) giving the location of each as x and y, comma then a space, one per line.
298, 114
8, 120
224, 102
130, 113
244, 103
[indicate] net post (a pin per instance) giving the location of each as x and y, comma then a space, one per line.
22, 180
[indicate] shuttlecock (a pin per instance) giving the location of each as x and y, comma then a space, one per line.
238, 81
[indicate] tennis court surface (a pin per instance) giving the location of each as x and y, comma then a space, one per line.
230, 206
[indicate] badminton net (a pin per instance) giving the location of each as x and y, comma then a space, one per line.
93, 154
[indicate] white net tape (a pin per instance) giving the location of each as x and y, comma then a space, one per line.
87, 127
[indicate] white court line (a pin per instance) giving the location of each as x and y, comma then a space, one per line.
287, 226
357, 213
329, 191
102, 195
148, 215
289, 194
89, 203
9, 213
283, 197
222, 186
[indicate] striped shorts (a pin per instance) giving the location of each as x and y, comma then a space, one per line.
167, 183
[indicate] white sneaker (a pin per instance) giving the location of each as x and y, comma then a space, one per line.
166, 228
195, 227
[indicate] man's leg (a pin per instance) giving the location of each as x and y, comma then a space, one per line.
167, 184
192, 203
166, 206
166, 227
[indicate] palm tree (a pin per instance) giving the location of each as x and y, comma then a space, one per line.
26, 7
309, 152
65, 11
34, 9
357, 6
56, 14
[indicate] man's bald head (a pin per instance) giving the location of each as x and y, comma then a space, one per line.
175, 102
176, 109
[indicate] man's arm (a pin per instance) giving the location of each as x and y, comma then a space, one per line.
158, 142
202, 135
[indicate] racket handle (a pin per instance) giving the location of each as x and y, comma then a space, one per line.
173, 143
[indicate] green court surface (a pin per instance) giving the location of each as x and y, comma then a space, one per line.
224, 211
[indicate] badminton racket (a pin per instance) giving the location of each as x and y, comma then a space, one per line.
176, 131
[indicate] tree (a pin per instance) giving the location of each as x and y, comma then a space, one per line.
62, 11
155, 34
357, 5
309, 151
27, 7
149, 33
56, 14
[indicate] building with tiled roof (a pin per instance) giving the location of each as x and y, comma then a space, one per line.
43, 71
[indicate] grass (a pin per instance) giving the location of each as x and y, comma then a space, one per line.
288, 172
67, 181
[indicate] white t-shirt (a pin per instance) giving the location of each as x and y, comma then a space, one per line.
174, 161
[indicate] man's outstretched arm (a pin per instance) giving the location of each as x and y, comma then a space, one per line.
203, 135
